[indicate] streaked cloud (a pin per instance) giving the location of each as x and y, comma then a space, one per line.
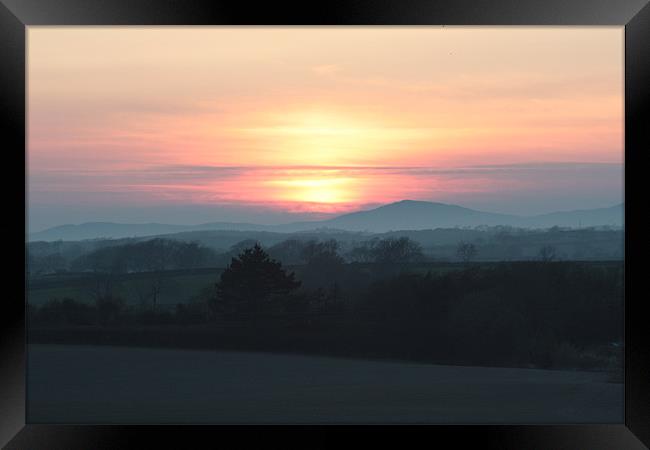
324, 120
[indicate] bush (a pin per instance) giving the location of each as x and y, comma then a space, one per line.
109, 309
482, 326
569, 356
151, 317
64, 312
191, 313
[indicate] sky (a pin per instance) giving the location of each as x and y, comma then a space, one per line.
276, 124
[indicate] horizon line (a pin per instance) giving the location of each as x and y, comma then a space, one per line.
334, 216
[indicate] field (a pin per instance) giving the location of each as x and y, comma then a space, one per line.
178, 286
86, 384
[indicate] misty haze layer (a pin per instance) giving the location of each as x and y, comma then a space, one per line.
404, 215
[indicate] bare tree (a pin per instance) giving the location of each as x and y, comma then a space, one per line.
156, 287
363, 252
161, 253
547, 253
396, 251
141, 293
102, 287
466, 251
321, 253
107, 303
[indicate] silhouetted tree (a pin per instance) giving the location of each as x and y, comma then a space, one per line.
322, 253
466, 251
240, 246
46, 264
289, 251
361, 253
153, 255
323, 264
109, 309
547, 253
330, 299
395, 251
66, 311
253, 283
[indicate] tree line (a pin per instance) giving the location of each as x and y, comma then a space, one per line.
160, 254
544, 313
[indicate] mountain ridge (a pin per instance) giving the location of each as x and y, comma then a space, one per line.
401, 215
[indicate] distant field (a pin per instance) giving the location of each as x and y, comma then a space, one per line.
179, 286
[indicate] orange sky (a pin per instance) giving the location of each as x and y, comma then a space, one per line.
320, 119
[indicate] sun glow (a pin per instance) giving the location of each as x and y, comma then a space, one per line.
318, 121
315, 190
328, 137
316, 124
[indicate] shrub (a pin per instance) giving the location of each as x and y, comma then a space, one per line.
64, 312
109, 309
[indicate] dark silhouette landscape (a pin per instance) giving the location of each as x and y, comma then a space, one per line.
325, 225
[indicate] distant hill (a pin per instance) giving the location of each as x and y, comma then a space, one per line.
415, 215
613, 215
402, 215
99, 230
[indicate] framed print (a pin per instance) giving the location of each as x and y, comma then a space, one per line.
330, 217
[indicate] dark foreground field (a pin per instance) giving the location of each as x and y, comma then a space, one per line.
87, 384
346, 340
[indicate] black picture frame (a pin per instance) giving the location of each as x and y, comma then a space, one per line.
16, 15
